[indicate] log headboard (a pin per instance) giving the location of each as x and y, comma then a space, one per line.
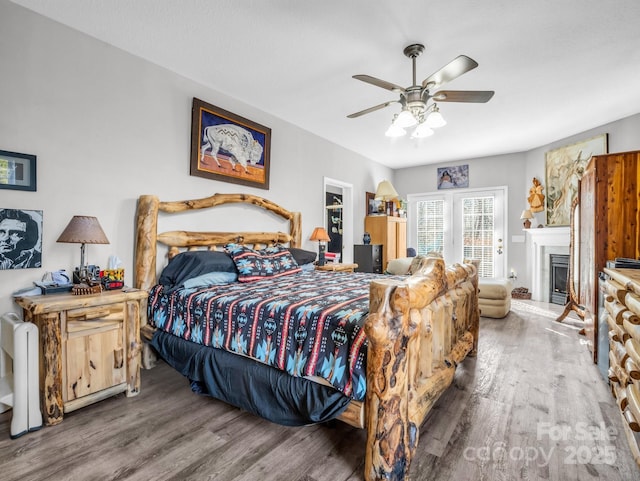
147, 236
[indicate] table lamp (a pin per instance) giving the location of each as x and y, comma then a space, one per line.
527, 215
385, 192
83, 229
320, 234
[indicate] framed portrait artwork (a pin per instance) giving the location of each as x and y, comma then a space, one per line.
229, 148
17, 171
21, 242
374, 207
453, 177
564, 168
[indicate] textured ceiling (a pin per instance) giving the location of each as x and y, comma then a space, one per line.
557, 67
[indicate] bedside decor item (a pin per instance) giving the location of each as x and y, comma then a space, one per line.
366, 238
320, 234
17, 171
453, 177
527, 215
229, 148
84, 229
20, 238
564, 169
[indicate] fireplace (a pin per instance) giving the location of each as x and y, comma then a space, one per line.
558, 273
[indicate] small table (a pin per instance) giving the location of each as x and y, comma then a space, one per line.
336, 267
89, 347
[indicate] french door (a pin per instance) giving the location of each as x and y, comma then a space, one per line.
462, 225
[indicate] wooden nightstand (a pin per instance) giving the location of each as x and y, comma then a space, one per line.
333, 267
89, 347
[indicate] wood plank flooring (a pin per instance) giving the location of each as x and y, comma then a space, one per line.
531, 406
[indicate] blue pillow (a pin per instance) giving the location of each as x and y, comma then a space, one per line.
211, 279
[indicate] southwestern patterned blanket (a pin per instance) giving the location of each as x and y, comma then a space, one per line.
307, 324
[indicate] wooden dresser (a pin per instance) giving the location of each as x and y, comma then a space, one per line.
622, 307
389, 231
609, 192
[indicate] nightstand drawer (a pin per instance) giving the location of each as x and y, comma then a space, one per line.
96, 312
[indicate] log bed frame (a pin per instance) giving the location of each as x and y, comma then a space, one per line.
419, 329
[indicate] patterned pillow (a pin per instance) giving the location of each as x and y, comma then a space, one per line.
254, 265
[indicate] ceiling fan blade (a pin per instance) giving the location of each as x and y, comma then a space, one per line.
455, 68
475, 96
371, 109
379, 83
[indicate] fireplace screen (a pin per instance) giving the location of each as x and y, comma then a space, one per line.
558, 272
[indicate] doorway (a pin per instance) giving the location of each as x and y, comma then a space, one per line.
338, 217
462, 225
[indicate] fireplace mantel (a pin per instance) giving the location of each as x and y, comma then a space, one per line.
542, 241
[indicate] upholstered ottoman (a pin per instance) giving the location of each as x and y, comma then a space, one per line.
494, 298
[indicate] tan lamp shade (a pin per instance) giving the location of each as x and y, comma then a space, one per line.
320, 234
83, 229
527, 215
385, 191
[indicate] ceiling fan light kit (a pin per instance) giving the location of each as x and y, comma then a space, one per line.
416, 109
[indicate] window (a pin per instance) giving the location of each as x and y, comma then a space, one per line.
430, 226
468, 224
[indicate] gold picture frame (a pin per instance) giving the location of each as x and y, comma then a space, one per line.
229, 148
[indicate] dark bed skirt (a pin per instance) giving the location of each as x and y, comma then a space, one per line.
250, 385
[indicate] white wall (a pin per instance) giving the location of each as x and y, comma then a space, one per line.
517, 172
107, 127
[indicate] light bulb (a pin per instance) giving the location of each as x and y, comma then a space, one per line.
421, 131
395, 131
435, 119
405, 119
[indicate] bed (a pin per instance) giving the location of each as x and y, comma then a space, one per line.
388, 352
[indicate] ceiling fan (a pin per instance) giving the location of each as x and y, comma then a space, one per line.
416, 109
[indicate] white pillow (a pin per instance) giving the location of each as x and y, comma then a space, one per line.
399, 267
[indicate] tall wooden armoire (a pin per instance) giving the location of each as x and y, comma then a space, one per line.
389, 231
609, 228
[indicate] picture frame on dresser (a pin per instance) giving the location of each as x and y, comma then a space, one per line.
17, 171
228, 147
372, 205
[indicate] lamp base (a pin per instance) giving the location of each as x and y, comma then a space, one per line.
321, 258
85, 274
527, 223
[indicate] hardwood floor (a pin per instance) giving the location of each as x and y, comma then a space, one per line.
530, 406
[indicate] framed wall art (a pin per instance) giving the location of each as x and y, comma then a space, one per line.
21, 242
374, 207
564, 168
229, 148
17, 171
453, 177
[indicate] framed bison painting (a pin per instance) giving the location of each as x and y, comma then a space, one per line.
229, 148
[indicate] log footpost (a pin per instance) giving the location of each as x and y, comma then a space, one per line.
391, 436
